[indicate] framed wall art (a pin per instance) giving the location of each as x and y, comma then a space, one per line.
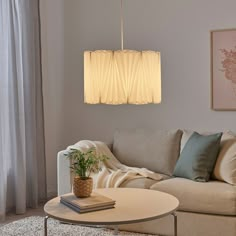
223, 69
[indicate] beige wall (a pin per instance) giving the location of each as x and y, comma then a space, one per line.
179, 29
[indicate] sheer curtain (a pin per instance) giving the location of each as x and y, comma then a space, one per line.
22, 158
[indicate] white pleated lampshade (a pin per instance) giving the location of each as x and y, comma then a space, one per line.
121, 77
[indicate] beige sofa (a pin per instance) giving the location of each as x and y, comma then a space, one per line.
206, 209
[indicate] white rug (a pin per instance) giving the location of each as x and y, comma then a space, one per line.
33, 226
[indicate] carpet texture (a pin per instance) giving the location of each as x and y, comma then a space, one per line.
33, 226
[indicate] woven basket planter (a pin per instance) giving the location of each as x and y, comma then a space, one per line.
82, 187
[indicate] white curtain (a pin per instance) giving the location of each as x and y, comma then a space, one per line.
22, 158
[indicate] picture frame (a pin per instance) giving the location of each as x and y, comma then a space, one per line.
223, 69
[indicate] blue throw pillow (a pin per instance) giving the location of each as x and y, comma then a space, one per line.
198, 158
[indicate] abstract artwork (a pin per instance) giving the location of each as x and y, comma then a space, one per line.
223, 69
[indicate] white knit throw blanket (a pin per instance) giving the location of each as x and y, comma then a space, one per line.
113, 173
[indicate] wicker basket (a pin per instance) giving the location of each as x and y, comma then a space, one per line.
82, 187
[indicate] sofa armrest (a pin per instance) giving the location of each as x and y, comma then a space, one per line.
63, 174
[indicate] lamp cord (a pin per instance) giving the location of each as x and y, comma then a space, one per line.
121, 25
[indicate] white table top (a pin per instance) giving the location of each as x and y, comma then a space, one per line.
132, 206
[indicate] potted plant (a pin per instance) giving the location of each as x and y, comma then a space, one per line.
83, 164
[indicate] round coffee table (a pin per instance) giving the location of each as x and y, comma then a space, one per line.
132, 206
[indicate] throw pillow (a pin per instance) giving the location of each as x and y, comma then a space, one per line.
225, 168
198, 157
187, 134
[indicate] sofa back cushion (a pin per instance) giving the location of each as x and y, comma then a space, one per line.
225, 168
155, 150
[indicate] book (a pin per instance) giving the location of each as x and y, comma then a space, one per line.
95, 200
77, 209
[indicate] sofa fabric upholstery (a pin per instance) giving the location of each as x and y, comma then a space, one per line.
225, 168
213, 197
206, 209
155, 150
189, 224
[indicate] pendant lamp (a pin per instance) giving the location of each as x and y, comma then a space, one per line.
122, 76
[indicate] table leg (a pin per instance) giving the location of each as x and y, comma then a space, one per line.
175, 223
45, 226
116, 231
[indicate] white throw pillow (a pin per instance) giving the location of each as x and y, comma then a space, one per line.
225, 168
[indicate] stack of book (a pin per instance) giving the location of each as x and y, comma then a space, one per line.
95, 202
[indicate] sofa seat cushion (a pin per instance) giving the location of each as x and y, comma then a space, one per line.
155, 150
213, 197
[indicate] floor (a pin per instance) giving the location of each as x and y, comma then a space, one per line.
30, 212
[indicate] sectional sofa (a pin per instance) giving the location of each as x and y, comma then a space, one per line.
206, 208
